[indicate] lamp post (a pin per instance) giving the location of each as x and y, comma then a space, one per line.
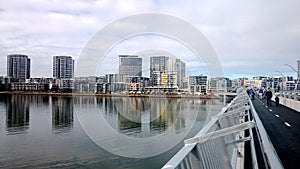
280, 81
273, 88
291, 67
279, 73
296, 87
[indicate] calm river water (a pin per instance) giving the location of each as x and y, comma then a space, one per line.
41, 131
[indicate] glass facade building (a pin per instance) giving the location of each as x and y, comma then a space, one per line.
63, 67
130, 65
158, 65
18, 67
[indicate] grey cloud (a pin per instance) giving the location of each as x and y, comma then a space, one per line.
255, 35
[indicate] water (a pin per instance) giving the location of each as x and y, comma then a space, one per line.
41, 131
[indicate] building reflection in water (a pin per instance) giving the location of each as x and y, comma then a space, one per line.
17, 113
145, 117
62, 114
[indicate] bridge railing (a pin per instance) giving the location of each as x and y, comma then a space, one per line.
220, 144
290, 95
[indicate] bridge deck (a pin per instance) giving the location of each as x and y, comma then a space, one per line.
283, 127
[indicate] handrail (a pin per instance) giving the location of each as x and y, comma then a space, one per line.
220, 133
235, 109
268, 148
226, 129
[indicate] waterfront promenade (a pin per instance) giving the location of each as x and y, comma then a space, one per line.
283, 127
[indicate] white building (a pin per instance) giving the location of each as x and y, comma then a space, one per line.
197, 84
253, 83
63, 71
178, 66
219, 84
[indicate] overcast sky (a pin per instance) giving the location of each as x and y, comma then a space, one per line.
250, 37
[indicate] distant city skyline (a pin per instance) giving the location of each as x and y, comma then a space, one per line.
167, 75
69, 62
251, 38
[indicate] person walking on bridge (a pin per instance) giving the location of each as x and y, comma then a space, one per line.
261, 92
268, 96
252, 94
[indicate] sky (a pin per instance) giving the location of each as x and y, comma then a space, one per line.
250, 37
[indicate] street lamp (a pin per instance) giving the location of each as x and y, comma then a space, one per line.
273, 88
279, 72
291, 67
280, 81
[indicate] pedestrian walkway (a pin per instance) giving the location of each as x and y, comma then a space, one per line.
283, 127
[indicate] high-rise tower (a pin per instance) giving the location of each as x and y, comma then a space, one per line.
130, 65
177, 66
63, 67
18, 67
158, 65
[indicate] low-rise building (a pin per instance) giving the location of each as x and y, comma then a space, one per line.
253, 83
88, 84
287, 84
33, 84
238, 83
197, 84
137, 83
219, 84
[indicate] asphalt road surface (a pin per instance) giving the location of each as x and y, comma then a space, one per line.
283, 127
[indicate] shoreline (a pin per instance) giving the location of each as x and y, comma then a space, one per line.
112, 95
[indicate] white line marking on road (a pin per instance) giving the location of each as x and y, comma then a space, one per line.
266, 106
263, 103
276, 115
270, 110
287, 124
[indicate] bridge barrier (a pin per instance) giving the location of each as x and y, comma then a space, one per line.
289, 99
220, 144
290, 95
